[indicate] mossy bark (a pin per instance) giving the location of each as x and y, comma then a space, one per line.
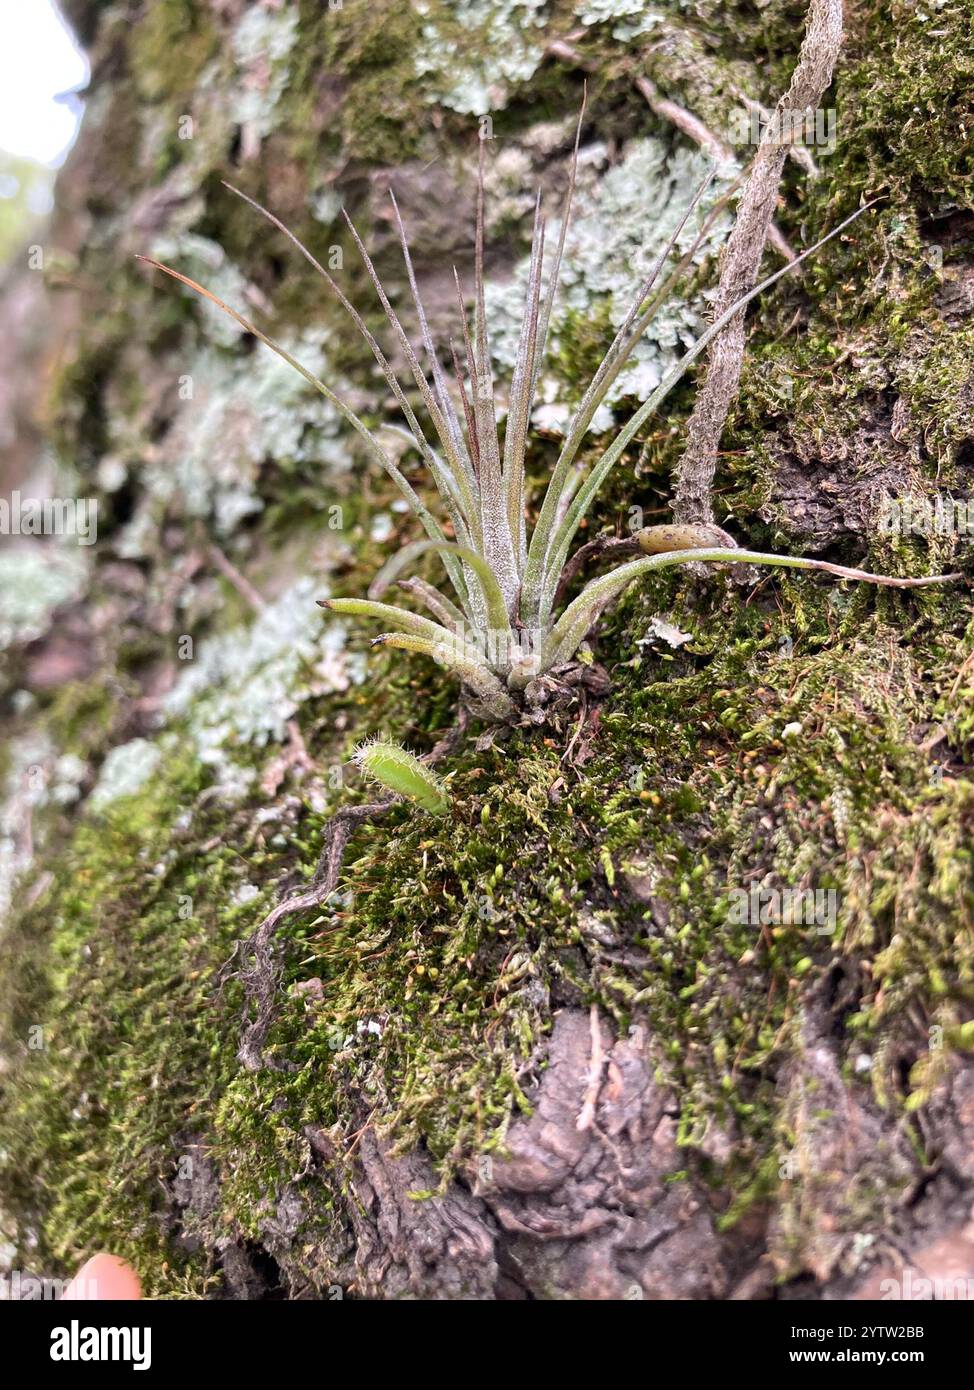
543, 1046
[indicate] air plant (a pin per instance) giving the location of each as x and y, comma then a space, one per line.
500, 632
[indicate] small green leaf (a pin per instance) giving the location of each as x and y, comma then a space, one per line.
403, 773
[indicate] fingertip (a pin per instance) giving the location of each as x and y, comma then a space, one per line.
104, 1276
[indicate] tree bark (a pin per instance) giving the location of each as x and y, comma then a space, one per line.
560, 1045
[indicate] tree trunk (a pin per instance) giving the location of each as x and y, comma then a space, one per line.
678, 1001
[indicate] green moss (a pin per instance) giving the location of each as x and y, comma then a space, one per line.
371, 51
439, 962
906, 107
83, 714
725, 763
96, 1117
584, 339
171, 45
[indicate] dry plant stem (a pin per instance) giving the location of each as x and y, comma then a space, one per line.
586, 1116
798, 154
651, 540
450, 741
260, 978
668, 110
742, 257
616, 546
230, 572
683, 120
692, 126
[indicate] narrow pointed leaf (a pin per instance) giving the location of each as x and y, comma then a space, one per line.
574, 623
519, 410
498, 542
458, 659
439, 380
493, 598
436, 601
388, 613
458, 465
548, 298
419, 509
418, 435
558, 550
625, 340
465, 402
533, 570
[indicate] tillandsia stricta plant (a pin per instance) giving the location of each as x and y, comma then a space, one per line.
501, 631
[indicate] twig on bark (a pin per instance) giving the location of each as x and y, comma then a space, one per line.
586, 1116
230, 572
260, 978
960, 677
742, 257
299, 749
668, 110
692, 126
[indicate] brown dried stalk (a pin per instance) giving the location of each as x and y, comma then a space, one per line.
742, 257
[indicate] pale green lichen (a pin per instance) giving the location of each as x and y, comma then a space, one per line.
262, 43
381, 528
487, 45
235, 416
326, 205
34, 580
35, 777
624, 217
637, 17
125, 770
200, 257
245, 684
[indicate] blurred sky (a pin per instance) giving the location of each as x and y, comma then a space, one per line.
38, 62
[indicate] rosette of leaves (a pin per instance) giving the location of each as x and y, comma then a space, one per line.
499, 628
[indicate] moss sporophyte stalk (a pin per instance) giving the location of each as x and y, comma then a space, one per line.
502, 630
